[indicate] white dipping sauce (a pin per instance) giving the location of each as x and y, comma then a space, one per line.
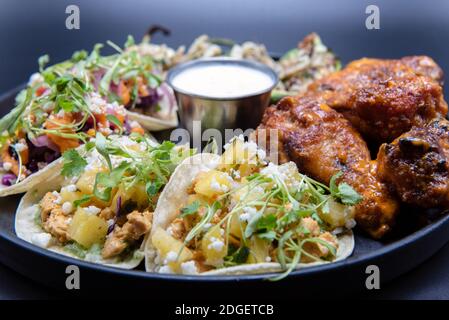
222, 81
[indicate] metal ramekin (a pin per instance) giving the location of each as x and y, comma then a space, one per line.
241, 112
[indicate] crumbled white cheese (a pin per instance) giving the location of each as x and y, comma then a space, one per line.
165, 269
58, 197
214, 185
42, 239
170, 257
273, 171
215, 244
19, 146
248, 213
92, 210
67, 207
7, 166
96, 103
189, 267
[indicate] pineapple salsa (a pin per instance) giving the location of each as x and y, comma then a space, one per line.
249, 211
106, 204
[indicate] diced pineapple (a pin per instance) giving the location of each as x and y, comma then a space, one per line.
87, 181
113, 205
212, 183
136, 194
213, 246
87, 229
70, 196
244, 194
236, 226
258, 250
166, 244
86, 185
246, 169
338, 214
197, 197
139, 194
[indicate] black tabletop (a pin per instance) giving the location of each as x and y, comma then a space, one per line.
31, 28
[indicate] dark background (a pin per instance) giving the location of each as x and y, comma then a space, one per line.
29, 29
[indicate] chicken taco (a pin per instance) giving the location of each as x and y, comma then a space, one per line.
99, 207
238, 214
54, 114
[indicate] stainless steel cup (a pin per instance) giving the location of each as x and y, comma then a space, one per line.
241, 112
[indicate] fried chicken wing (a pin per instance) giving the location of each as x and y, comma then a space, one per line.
417, 165
385, 98
322, 142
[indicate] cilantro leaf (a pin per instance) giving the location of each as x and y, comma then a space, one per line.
105, 181
348, 195
190, 209
252, 224
101, 145
74, 164
237, 256
153, 187
267, 223
343, 191
269, 235
85, 198
333, 182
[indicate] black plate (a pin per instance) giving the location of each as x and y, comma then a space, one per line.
420, 235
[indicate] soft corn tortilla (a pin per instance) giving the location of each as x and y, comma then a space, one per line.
25, 226
175, 195
32, 180
157, 124
152, 123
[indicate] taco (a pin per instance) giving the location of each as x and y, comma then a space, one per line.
54, 114
132, 77
239, 214
99, 207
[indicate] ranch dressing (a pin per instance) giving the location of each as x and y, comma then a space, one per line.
222, 81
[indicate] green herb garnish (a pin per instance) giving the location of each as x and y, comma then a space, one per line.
74, 164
